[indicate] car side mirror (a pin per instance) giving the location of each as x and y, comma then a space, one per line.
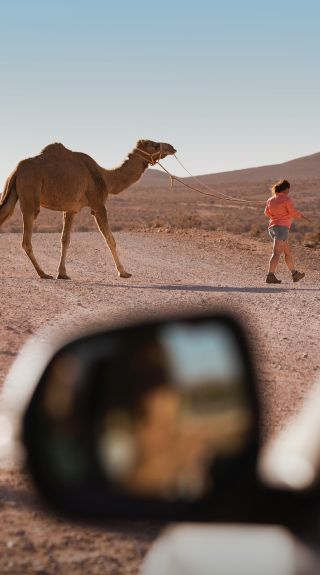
155, 420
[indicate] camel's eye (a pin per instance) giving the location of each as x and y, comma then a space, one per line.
157, 146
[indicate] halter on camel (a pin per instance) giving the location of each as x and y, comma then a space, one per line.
214, 193
150, 157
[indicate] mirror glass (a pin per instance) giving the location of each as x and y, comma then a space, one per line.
191, 409
151, 410
153, 420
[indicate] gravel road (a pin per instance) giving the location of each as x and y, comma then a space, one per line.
182, 270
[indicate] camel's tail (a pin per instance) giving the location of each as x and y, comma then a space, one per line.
9, 198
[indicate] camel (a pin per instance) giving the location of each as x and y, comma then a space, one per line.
67, 181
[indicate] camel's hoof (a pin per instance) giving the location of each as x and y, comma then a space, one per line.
124, 274
63, 277
46, 277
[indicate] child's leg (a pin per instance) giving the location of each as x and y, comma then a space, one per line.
288, 257
296, 276
278, 249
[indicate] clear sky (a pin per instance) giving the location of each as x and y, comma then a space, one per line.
229, 83
199, 354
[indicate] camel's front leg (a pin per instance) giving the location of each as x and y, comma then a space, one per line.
102, 222
28, 220
68, 218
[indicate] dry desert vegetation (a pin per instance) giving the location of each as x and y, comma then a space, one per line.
151, 204
184, 251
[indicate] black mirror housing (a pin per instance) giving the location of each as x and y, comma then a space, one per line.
156, 420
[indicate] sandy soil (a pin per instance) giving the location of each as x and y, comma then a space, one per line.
182, 269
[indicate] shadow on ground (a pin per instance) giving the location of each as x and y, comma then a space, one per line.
204, 288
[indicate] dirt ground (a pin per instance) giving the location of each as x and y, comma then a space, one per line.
172, 269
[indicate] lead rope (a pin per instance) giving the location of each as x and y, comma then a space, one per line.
219, 193
213, 194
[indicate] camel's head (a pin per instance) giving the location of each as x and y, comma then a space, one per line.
154, 150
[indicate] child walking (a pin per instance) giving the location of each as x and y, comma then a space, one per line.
281, 211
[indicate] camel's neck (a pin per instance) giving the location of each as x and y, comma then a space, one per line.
127, 174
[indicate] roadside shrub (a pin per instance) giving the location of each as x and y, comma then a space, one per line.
256, 230
311, 239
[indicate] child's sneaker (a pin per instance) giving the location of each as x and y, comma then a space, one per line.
296, 276
271, 279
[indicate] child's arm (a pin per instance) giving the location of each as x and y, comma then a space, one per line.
295, 213
292, 210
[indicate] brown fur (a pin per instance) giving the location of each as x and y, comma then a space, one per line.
63, 180
9, 198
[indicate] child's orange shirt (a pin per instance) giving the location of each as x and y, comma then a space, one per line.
281, 211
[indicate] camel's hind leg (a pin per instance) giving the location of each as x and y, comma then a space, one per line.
102, 222
28, 220
68, 218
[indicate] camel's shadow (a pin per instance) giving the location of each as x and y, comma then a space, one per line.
204, 288
122, 284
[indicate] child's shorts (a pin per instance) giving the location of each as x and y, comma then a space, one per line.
279, 233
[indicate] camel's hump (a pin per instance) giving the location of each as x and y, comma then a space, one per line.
55, 149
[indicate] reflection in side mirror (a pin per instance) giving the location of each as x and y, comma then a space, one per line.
151, 420
188, 408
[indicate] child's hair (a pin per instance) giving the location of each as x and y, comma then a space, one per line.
280, 186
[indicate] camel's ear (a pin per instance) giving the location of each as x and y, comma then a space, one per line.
141, 143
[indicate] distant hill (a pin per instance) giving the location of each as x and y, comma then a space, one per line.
305, 168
